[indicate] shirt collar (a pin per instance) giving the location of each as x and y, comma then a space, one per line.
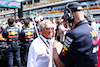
51, 40
81, 22
43, 38
11, 25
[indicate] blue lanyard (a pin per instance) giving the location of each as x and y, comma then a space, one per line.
48, 42
45, 42
46, 45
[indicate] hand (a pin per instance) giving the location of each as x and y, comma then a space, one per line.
56, 44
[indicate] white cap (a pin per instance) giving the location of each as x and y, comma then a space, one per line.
37, 19
4, 23
41, 18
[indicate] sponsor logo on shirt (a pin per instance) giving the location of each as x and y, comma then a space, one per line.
68, 41
64, 50
95, 41
28, 33
13, 33
93, 33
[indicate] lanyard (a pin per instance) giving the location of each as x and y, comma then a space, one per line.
46, 45
48, 42
45, 42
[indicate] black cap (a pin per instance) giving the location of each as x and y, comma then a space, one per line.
26, 22
75, 6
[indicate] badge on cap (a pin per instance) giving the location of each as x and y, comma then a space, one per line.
79, 8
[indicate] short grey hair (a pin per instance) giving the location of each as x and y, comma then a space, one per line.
42, 24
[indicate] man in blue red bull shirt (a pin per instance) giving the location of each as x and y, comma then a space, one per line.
27, 36
81, 45
13, 50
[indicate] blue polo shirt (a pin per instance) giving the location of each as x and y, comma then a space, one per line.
80, 46
12, 35
27, 35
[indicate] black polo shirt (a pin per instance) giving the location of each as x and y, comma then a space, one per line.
80, 46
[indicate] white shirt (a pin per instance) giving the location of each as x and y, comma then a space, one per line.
63, 31
94, 26
38, 56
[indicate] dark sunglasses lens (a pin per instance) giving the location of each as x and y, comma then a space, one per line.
49, 28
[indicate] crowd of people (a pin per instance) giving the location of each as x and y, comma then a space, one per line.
16, 37
68, 41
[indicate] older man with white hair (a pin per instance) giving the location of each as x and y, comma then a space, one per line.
40, 51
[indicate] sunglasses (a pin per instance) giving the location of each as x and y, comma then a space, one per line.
49, 28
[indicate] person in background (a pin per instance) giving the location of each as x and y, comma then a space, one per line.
41, 18
57, 35
63, 30
81, 43
40, 51
31, 24
37, 21
3, 41
13, 50
98, 61
53, 21
19, 25
98, 24
27, 35
54, 26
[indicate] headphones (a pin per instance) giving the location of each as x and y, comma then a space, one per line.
68, 16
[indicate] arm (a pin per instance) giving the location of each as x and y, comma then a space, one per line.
58, 62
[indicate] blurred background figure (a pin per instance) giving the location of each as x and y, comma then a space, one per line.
63, 28
41, 18
31, 24
57, 35
27, 35
19, 25
4, 25
37, 21
98, 24
98, 61
54, 26
92, 23
13, 49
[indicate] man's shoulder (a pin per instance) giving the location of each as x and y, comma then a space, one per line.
77, 32
36, 42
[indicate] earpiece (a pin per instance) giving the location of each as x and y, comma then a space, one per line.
68, 16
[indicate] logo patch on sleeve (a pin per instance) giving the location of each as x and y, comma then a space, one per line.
93, 33
64, 50
68, 41
95, 41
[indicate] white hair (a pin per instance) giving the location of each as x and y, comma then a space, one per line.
42, 24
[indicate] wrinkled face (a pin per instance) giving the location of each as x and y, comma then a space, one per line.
47, 31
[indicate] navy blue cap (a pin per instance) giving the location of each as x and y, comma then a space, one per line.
75, 6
